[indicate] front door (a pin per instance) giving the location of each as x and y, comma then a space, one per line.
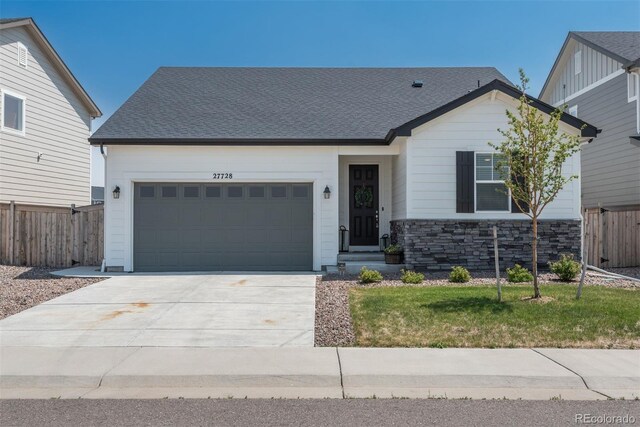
363, 205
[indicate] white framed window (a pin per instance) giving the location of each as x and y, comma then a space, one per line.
492, 195
23, 55
633, 81
13, 112
577, 62
573, 110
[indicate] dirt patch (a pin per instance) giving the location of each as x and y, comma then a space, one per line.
24, 287
541, 300
141, 304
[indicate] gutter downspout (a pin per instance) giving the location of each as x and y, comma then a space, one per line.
103, 266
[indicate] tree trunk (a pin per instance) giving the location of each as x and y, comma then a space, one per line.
534, 253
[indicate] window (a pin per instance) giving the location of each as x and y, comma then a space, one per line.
573, 111
632, 86
170, 192
300, 191
13, 110
147, 191
255, 191
278, 191
191, 191
234, 191
492, 194
577, 62
213, 192
23, 55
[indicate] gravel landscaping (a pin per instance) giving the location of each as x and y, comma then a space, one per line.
333, 326
24, 287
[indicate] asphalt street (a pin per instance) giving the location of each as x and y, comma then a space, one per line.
327, 412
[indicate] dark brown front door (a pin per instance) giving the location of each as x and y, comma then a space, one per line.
363, 205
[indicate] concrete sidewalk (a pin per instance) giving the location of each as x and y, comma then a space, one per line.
157, 372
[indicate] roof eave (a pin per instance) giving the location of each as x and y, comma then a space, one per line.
239, 141
53, 55
587, 130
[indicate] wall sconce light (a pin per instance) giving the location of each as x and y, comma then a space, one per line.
326, 192
116, 192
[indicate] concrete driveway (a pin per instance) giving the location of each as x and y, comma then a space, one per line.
173, 310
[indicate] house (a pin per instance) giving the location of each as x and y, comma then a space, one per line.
596, 75
258, 168
45, 120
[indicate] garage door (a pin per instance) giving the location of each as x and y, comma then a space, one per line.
208, 227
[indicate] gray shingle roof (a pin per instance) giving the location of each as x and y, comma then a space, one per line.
285, 103
625, 44
10, 20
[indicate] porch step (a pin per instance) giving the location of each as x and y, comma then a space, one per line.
354, 267
360, 256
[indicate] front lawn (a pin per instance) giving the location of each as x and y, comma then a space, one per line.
470, 316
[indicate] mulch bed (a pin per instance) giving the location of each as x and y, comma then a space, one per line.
24, 287
333, 319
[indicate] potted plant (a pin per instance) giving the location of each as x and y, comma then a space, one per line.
393, 254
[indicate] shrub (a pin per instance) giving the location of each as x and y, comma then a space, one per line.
566, 268
393, 249
409, 276
370, 276
459, 275
519, 274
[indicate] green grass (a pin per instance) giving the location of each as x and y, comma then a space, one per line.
470, 316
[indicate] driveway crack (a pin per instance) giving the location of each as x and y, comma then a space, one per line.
340, 369
572, 371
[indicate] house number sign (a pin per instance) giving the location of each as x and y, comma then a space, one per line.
222, 175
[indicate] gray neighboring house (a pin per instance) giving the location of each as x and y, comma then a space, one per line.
596, 75
45, 120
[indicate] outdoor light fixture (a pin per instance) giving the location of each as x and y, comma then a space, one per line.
116, 192
326, 192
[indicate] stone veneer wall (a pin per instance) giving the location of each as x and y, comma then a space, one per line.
441, 244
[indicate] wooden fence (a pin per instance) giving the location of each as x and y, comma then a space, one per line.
612, 238
48, 236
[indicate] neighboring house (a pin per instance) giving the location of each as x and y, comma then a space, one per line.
97, 195
257, 169
596, 75
45, 120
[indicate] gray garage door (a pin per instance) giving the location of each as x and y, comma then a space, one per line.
204, 227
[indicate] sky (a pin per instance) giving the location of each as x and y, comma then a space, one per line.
112, 47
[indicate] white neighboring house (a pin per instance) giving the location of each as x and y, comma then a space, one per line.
45, 120
259, 168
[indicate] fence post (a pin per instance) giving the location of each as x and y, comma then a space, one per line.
12, 230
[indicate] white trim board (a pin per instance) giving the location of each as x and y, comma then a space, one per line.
588, 88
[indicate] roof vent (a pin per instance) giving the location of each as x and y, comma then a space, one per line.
417, 83
22, 55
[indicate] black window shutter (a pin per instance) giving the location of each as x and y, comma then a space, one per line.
464, 182
514, 208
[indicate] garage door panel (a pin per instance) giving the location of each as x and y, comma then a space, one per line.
223, 227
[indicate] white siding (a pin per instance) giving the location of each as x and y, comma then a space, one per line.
399, 182
57, 125
432, 163
594, 67
126, 165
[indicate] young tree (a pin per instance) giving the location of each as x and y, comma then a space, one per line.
533, 151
